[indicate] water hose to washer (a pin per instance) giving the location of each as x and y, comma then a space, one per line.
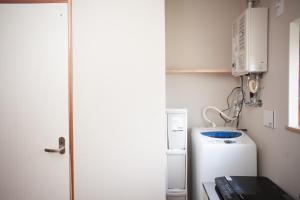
219, 111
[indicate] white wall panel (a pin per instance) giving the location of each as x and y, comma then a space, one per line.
119, 99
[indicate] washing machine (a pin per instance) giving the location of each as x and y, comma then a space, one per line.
220, 152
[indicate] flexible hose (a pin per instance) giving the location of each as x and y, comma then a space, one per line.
219, 111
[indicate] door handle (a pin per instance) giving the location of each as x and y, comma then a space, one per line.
61, 147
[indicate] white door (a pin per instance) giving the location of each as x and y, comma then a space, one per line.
33, 101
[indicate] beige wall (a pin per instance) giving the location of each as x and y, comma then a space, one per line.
278, 149
196, 91
198, 34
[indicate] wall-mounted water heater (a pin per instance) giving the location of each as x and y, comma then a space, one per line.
250, 42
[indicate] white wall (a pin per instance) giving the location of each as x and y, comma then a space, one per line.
119, 99
278, 149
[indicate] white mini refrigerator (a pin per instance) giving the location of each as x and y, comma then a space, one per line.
176, 150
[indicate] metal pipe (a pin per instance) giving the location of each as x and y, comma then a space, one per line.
251, 3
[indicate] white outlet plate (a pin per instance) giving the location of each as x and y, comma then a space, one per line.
269, 118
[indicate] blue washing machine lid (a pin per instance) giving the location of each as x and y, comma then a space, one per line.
222, 134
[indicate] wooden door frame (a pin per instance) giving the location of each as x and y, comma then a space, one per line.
70, 78
70, 91
33, 1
